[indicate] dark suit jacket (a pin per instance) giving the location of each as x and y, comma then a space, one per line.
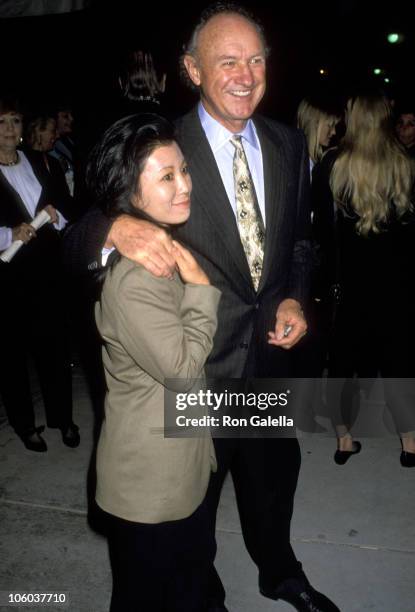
244, 316
35, 271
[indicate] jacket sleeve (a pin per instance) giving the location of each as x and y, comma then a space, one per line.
167, 340
83, 243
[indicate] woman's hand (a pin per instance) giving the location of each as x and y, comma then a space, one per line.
189, 269
52, 212
23, 232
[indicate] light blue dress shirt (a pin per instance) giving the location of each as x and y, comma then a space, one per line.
223, 151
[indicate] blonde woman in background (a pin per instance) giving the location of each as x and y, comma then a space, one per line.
319, 126
364, 192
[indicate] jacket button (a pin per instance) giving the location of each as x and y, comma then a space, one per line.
256, 306
244, 345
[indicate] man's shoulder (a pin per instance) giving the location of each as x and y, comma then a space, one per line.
188, 122
278, 129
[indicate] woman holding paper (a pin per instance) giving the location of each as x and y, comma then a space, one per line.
32, 306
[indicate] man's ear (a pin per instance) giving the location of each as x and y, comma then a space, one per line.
192, 69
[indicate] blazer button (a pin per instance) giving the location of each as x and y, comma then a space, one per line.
244, 345
256, 306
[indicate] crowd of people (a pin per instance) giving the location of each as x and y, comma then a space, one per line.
227, 245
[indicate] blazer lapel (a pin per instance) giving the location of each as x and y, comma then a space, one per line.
276, 174
209, 191
14, 199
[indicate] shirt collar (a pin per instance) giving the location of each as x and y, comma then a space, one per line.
218, 136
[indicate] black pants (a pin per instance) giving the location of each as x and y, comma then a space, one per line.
35, 327
265, 474
161, 567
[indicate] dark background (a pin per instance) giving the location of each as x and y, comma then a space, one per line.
75, 55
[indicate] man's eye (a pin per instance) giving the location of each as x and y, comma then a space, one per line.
185, 169
257, 60
168, 177
229, 63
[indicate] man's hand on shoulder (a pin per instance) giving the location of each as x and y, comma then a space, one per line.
143, 242
290, 325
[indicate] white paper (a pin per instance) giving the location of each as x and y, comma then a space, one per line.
40, 219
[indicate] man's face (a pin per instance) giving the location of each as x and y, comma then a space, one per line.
405, 129
230, 69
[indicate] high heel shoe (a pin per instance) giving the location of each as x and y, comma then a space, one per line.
33, 441
341, 456
407, 459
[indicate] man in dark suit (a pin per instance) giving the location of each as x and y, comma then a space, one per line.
260, 312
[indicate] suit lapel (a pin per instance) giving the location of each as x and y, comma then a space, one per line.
208, 189
276, 174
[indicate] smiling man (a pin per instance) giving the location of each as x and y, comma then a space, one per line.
249, 231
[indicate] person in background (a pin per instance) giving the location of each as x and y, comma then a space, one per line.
32, 308
152, 489
318, 122
64, 148
363, 192
318, 117
141, 87
405, 127
40, 136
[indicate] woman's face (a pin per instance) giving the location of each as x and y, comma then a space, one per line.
165, 186
327, 131
405, 129
65, 121
11, 127
45, 139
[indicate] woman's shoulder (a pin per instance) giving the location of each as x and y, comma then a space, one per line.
126, 275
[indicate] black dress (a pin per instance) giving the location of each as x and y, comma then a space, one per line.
373, 329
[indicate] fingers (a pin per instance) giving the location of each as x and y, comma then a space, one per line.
53, 213
289, 340
24, 232
182, 253
144, 243
161, 259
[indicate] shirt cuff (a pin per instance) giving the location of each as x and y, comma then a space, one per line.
105, 253
61, 221
6, 237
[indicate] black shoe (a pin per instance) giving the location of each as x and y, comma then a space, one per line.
407, 459
70, 435
300, 594
340, 457
33, 441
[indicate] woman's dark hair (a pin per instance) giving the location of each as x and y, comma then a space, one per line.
10, 104
138, 78
117, 161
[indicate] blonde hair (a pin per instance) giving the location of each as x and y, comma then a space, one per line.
310, 119
372, 174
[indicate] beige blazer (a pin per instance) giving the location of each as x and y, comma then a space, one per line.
153, 329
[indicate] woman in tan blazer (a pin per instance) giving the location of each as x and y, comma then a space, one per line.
151, 488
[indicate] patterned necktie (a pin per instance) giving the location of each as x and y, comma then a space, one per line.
249, 220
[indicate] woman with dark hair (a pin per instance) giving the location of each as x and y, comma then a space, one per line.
151, 488
32, 308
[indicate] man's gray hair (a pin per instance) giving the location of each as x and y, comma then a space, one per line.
218, 8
